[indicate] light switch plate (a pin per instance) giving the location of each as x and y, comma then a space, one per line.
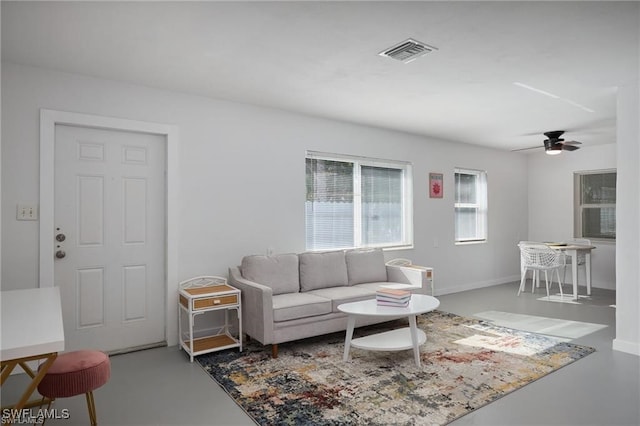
27, 212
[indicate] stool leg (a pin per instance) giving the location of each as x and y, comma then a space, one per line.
91, 405
44, 418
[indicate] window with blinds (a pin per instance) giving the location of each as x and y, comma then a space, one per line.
595, 208
470, 209
357, 202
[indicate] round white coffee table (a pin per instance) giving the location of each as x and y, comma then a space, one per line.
395, 340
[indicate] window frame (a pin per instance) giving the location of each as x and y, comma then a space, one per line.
578, 206
481, 206
406, 195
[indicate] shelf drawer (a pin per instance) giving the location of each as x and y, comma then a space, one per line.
209, 302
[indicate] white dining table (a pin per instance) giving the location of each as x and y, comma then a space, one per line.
32, 330
573, 249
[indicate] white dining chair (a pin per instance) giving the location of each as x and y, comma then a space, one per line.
520, 244
536, 258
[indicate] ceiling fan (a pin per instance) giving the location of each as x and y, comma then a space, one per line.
554, 144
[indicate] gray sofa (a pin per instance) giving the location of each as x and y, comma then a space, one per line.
293, 296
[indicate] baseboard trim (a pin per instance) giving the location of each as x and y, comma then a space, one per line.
626, 346
498, 281
476, 285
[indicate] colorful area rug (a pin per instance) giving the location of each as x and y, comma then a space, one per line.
466, 364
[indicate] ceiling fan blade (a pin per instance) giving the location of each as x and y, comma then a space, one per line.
569, 147
526, 149
589, 127
572, 143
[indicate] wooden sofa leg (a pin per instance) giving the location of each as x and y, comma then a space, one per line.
274, 351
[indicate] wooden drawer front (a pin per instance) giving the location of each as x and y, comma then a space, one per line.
184, 302
209, 302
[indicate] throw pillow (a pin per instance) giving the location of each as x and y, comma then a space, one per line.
366, 266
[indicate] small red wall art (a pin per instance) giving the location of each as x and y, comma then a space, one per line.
435, 185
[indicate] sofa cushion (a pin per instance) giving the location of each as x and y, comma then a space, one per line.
299, 305
365, 266
322, 270
280, 272
344, 294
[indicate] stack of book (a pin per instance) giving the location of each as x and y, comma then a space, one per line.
393, 297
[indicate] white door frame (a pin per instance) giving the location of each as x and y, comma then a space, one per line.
48, 120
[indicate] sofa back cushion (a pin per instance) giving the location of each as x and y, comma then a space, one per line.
280, 272
366, 266
322, 270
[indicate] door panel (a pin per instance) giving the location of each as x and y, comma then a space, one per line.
89, 300
135, 290
90, 201
110, 207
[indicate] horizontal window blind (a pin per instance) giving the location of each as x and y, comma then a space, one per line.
381, 205
470, 210
329, 208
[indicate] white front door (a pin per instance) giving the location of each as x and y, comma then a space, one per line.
109, 216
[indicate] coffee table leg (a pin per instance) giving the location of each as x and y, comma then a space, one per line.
414, 338
347, 341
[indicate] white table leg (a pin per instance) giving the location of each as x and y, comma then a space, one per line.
414, 339
351, 323
587, 267
574, 272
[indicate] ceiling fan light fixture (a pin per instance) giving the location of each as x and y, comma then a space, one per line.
552, 148
553, 151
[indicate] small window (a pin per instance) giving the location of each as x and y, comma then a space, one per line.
470, 206
595, 208
357, 202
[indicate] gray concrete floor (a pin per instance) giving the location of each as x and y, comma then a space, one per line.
161, 387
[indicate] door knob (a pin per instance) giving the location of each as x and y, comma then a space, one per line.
60, 237
60, 254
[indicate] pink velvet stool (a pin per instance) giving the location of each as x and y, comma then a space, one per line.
76, 373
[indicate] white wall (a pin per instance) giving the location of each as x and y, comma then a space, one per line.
242, 178
628, 214
551, 204
628, 221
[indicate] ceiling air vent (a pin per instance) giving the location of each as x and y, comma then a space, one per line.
408, 50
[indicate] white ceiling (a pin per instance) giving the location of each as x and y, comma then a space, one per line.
321, 58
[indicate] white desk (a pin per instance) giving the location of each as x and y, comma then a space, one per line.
394, 340
31, 330
573, 250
